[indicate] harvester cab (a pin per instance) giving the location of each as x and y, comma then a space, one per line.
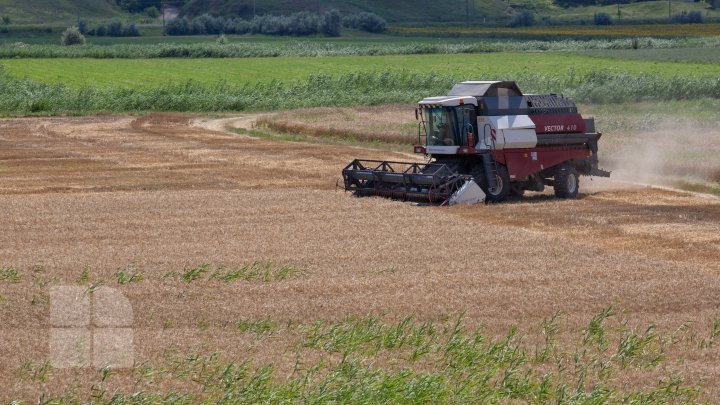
487, 133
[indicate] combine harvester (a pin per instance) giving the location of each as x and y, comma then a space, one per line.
487, 141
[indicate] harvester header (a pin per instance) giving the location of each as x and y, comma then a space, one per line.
491, 134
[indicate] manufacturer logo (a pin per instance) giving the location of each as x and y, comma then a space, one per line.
560, 128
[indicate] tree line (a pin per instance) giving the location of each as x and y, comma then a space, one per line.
302, 23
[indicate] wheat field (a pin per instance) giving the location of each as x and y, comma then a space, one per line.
163, 209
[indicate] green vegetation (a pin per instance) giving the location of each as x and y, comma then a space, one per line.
55, 86
152, 73
72, 36
128, 275
297, 24
9, 274
57, 11
257, 271
263, 46
373, 360
680, 55
421, 12
26, 96
645, 11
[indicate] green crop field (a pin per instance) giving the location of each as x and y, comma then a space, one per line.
687, 55
145, 73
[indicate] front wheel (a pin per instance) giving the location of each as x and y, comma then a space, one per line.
566, 182
501, 191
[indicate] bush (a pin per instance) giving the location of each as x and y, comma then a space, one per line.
177, 26
330, 23
693, 17
72, 36
115, 28
237, 26
369, 22
303, 23
100, 31
136, 6
82, 26
207, 25
602, 19
524, 18
299, 24
152, 12
130, 30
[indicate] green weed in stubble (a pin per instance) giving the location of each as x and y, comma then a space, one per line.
264, 271
129, 274
9, 274
35, 372
461, 366
195, 273
260, 327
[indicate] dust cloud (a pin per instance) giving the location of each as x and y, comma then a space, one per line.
665, 157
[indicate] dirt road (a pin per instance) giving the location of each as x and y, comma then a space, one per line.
94, 195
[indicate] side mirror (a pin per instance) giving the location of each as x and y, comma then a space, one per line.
417, 116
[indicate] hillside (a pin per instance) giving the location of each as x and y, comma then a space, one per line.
458, 11
402, 12
394, 11
57, 11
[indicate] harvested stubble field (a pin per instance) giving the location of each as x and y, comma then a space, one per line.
141, 204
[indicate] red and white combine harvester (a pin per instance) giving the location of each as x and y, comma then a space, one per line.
486, 140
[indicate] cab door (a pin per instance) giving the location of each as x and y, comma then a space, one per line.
467, 125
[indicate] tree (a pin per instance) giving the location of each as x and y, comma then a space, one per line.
602, 19
137, 6
524, 18
152, 12
330, 23
72, 36
369, 22
178, 26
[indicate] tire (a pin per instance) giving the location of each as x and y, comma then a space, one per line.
566, 182
516, 191
502, 190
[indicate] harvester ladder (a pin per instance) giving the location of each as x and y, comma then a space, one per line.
488, 161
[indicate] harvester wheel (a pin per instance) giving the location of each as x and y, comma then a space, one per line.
502, 190
516, 191
566, 182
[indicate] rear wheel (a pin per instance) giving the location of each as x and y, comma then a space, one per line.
501, 191
516, 190
566, 182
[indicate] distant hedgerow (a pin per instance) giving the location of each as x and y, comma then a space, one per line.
297, 24
693, 17
369, 22
602, 19
115, 28
524, 18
